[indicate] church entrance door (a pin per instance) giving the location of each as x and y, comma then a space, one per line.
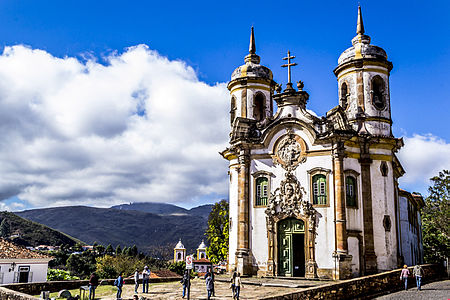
291, 241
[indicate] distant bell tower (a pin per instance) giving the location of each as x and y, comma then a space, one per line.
179, 252
251, 87
363, 81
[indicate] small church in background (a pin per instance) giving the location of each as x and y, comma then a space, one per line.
201, 264
318, 196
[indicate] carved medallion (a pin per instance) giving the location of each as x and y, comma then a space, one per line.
290, 151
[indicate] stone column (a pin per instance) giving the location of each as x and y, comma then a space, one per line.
242, 253
344, 260
370, 259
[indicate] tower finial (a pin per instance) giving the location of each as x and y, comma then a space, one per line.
360, 25
252, 47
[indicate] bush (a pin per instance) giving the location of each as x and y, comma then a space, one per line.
59, 275
177, 267
110, 266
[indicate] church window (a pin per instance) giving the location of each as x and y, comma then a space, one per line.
344, 95
319, 189
179, 256
378, 99
259, 107
233, 109
350, 189
384, 168
262, 186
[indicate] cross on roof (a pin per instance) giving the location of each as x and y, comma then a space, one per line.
289, 64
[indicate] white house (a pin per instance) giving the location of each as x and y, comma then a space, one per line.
20, 265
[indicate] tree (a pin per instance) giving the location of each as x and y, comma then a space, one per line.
435, 219
218, 232
118, 250
5, 229
109, 250
134, 250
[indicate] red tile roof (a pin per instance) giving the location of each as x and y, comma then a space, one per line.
9, 250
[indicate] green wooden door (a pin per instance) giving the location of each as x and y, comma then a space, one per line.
286, 228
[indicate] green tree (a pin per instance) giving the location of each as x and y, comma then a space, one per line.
5, 229
109, 250
134, 250
110, 266
177, 267
435, 219
118, 250
59, 275
218, 232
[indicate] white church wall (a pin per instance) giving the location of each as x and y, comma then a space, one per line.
354, 215
383, 205
353, 250
233, 194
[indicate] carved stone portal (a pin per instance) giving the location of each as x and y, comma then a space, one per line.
287, 201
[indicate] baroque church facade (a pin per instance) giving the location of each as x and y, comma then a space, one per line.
314, 196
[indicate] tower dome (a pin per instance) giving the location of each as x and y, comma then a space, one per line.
252, 67
363, 80
179, 245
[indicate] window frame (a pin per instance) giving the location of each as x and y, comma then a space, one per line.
355, 175
257, 176
326, 173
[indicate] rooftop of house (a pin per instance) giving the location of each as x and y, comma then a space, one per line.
10, 250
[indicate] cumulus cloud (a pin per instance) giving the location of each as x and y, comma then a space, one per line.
138, 128
423, 156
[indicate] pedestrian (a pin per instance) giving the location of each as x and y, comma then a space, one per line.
418, 273
136, 281
209, 286
237, 286
211, 273
185, 282
119, 284
145, 279
232, 284
93, 283
404, 276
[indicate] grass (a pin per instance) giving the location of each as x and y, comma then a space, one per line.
100, 292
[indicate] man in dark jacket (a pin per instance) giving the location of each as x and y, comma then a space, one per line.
185, 282
119, 284
93, 283
209, 285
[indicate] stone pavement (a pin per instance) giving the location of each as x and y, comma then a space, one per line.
439, 290
253, 288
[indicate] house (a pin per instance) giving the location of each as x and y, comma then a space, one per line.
20, 265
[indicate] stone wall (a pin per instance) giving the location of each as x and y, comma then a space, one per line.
55, 286
364, 287
7, 294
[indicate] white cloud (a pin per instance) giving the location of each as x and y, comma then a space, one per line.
140, 128
423, 156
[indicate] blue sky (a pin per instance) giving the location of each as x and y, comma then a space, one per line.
210, 39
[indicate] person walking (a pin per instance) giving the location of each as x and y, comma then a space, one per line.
418, 273
209, 285
404, 276
211, 273
145, 279
237, 286
232, 284
93, 283
185, 282
119, 284
136, 281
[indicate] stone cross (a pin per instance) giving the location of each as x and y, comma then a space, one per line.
289, 64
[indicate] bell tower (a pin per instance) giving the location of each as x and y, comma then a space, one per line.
251, 88
363, 81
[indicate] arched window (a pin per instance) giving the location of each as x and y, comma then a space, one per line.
262, 186
319, 189
179, 256
350, 191
259, 106
378, 99
202, 255
344, 95
233, 110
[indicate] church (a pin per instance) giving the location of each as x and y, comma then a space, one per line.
316, 196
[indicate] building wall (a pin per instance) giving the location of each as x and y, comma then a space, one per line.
412, 250
38, 271
233, 210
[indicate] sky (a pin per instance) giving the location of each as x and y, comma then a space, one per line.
109, 102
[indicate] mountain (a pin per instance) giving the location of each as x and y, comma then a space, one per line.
27, 233
151, 233
164, 209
